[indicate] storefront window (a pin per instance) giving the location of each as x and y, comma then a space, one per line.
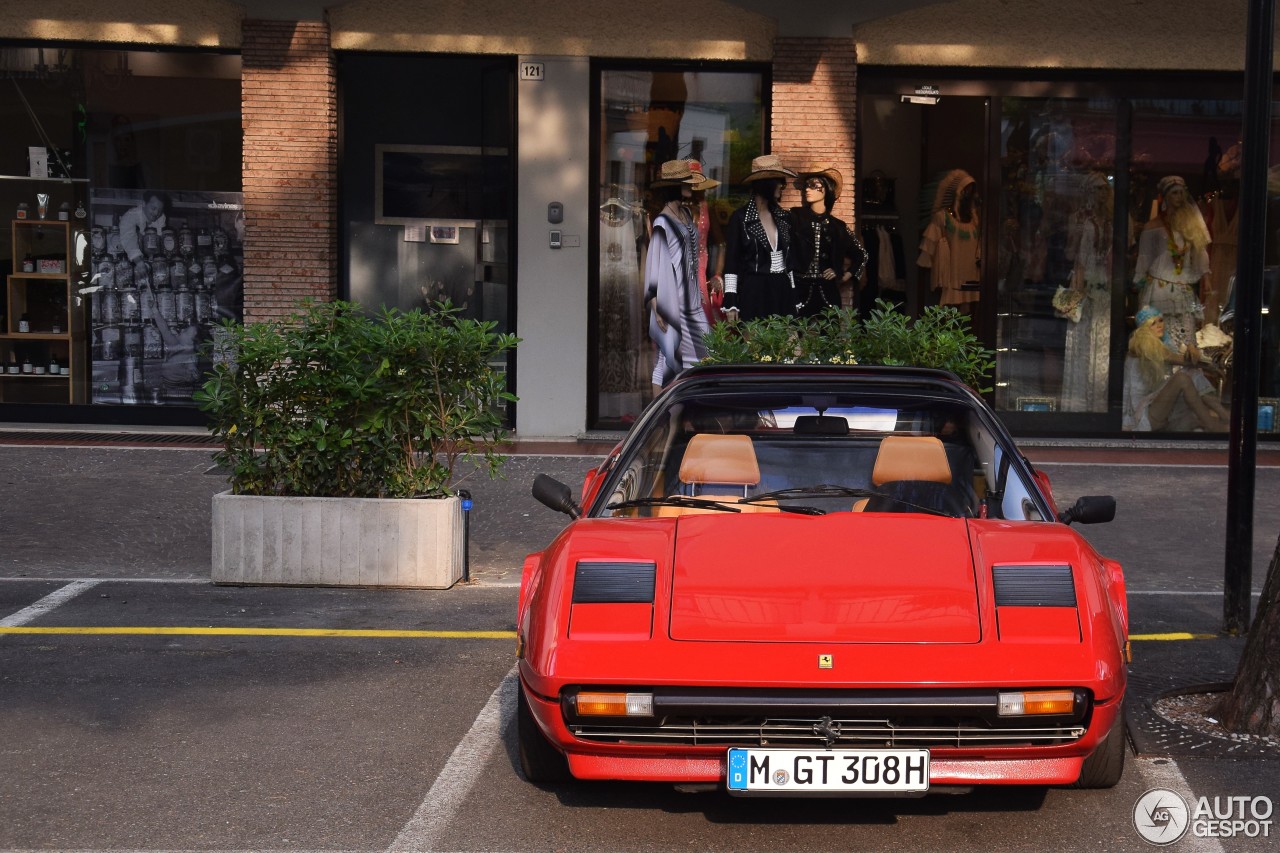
1057, 288
122, 177
1097, 208
647, 117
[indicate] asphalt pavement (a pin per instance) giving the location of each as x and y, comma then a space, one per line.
131, 510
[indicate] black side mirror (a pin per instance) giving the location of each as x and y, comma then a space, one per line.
552, 493
1091, 509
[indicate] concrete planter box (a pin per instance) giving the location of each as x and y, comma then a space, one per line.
337, 541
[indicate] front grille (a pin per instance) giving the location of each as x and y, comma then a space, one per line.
826, 731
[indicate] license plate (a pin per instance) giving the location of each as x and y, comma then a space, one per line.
798, 772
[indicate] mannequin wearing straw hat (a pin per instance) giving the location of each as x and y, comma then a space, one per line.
759, 255
828, 256
710, 247
677, 323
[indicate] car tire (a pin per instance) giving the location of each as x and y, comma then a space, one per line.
1104, 767
539, 760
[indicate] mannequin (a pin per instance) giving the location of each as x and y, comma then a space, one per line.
1087, 352
951, 249
677, 323
828, 256
1158, 396
1173, 261
759, 253
1220, 211
710, 247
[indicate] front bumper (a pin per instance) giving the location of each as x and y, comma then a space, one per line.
968, 752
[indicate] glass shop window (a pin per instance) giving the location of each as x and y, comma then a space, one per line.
646, 117
1180, 259
1058, 288
123, 180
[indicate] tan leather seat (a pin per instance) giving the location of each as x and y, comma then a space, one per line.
718, 461
911, 457
912, 474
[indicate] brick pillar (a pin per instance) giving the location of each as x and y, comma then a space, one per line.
289, 104
815, 87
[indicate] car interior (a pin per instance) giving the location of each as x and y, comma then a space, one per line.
820, 454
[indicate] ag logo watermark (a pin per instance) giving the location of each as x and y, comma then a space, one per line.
1163, 817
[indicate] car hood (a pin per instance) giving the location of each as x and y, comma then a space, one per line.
839, 578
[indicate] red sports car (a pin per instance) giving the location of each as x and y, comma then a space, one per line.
798, 580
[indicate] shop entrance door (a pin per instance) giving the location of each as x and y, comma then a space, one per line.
905, 188
427, 183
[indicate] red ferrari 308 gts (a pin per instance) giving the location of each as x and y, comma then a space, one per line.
828, 581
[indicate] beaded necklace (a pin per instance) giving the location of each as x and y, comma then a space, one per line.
1176, 252
953, 227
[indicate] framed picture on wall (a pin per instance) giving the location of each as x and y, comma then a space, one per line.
444, 233
440, 184
1037, 404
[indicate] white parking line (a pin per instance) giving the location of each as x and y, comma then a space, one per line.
37, 579
49, 602
1164, 773
460, 772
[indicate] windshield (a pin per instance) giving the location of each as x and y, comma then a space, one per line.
833, 452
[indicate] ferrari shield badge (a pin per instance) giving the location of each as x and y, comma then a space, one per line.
825, 662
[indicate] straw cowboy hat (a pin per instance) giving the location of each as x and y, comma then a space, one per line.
821, 170
676, 172
768, 167
702, 181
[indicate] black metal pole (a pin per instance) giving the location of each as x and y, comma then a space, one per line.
1247, 345
466, 534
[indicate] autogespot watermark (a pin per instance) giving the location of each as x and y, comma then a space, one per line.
1163, 817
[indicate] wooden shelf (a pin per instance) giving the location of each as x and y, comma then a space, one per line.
47, 297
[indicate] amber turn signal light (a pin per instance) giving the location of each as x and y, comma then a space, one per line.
1037, 702
592, 704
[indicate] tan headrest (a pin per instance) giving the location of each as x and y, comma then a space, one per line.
712, 458
911, 457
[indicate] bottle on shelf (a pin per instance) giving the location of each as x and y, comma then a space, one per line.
55, 369
24, 325
113, 241
124, 272
184, 304
13, 366
26, 364
151, 241
152, 342
28, 263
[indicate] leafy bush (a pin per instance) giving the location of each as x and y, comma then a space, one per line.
940, 338
338, 403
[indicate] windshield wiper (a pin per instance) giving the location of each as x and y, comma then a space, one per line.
675, 500
827, 490
706, 503
822, 491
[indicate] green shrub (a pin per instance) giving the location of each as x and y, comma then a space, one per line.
338, 403
940, 338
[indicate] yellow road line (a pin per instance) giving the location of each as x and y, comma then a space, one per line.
1176, 635
264, 632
